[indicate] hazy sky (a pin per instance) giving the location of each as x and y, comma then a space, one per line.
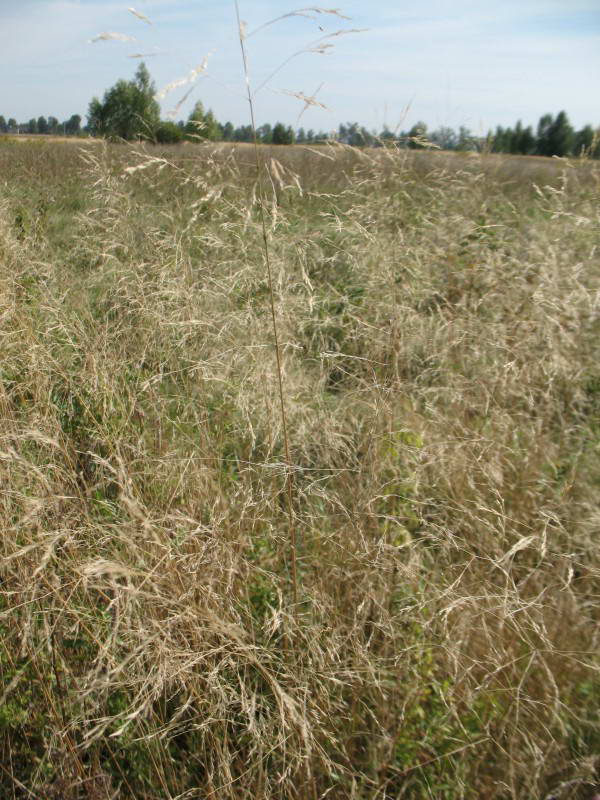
477, 63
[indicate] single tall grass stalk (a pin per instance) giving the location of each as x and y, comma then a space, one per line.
267, 256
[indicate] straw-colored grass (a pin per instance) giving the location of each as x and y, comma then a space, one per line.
438, 319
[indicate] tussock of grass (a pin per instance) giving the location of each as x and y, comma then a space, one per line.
439, 319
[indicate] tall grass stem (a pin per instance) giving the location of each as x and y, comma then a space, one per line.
267, 257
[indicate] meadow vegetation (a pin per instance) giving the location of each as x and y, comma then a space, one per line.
439, 325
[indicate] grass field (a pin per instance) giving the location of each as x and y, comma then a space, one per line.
439, 324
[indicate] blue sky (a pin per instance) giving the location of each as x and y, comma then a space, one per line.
476, 63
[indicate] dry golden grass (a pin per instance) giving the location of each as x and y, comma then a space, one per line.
439, 322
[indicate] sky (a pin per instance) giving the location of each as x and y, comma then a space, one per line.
477, 63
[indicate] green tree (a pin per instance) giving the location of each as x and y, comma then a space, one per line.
42, 125
543, 145
586, 142
561, 136
359, 136
3, 125
243, 134
514, 145
353, 136
227, 131
387, 138
31, 126
264, 134
417, 136
53, 125
498, 140
203, 124
128, 110
73, 125
466, 140
445, 138
527, 141
283, 134
169, 133
13, 125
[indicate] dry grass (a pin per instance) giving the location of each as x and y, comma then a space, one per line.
439, 327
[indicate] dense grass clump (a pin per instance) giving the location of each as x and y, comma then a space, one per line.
439, 330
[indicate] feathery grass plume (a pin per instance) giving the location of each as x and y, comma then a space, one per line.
191, 77
140, 16
310, 13
107, 37
319, 46
308, 101
142, 55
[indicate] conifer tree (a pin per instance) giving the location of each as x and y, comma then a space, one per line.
561, 136
543, 145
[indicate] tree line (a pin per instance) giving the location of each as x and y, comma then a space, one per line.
554, 136
129, 110
43, 125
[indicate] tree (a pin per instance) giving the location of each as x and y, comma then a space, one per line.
53, 125
243, 134
128, 110
543, 146
42, 125
561, 136
73, 125
169, 133
445, 138
13, 126
203, 124
3, 125
264, 134
31, 126
359, 136
514, 145
586, 142
417, 136
499, 140
387, 138
353, 136
283, 134
527, 141
227, 131
466, 140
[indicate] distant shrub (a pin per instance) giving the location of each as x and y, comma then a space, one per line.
168, 133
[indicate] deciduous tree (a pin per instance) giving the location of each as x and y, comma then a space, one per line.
128, 110
283, 134
73, 125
